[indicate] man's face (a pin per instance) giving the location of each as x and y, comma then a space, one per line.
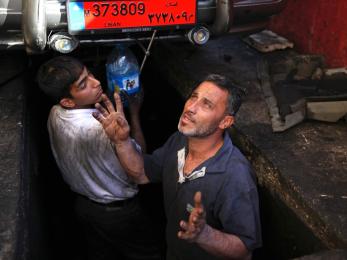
204, 111
86, 90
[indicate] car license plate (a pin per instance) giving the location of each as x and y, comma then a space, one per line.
129, 15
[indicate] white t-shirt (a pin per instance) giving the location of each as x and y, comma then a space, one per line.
86, 157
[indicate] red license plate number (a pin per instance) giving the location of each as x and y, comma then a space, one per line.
132, 14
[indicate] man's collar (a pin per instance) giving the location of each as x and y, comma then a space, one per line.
217, 163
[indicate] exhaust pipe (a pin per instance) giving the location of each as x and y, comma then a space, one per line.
223, 18
34, 25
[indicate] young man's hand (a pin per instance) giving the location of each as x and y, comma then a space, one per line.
193, 229
135, 102
113, 121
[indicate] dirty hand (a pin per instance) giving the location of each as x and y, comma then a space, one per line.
192, 229
113, 121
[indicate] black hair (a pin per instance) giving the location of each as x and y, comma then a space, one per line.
56, 76
235, 92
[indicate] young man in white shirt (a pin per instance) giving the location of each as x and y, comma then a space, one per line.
106, 201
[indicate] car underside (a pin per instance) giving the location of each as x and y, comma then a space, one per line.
38, 25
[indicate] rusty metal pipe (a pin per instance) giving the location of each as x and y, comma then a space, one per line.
34, 25
223, 18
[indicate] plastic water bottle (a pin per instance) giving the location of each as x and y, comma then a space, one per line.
122, 71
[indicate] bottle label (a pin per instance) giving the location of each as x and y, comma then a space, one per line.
128, 83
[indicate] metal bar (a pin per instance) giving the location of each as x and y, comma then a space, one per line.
111, 41
147, 51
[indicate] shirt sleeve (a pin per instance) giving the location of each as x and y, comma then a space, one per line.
238, 207
136, 145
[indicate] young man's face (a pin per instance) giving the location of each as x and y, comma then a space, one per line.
205, 111
86, 90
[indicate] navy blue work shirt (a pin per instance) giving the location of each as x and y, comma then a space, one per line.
229, 194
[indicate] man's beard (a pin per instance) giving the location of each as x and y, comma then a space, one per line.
197, 131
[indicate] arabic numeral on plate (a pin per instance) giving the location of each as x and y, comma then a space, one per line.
115, 11
96, 10
141, 7
123, 9
105, 6
132, 9
184, 15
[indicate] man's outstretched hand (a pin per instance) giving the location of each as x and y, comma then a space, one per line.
216, 242
192, 229
113, 121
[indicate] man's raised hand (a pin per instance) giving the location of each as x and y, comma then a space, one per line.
192, 229
113, 121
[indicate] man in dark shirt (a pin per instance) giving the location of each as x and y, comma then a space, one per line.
210, 196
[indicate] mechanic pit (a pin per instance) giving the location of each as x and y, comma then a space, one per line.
39, 216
